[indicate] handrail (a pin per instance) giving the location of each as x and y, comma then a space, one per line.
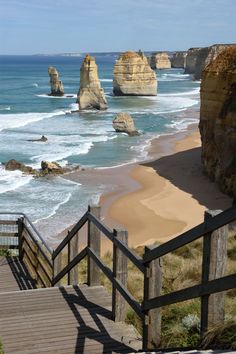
31, 225
189, 236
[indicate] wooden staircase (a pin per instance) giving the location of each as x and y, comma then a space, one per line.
63, 320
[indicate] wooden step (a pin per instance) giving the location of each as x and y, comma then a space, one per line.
63, 320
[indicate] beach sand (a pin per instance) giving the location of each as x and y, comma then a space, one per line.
159, 199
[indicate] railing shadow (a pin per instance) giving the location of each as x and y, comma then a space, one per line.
86, 332
21, 274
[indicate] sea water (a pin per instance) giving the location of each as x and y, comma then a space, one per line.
87, 139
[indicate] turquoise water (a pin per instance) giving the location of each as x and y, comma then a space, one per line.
87, 139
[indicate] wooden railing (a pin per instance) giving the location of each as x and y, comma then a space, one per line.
20, 234
47, 267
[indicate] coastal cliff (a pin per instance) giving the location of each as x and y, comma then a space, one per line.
198, 58
218, 120
57, 88
90, 95
133, 76
159, 61
178, 59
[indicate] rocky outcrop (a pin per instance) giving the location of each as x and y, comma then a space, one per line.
57, 88
133, 76
178, 60
198, 58
52, 168
218, 120
90, 95
123, 123
191, 59
43, 139
160, 61
13, 165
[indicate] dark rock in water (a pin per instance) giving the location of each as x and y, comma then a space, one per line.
123, 123
52, 168
13, 165
57, 88
43, 139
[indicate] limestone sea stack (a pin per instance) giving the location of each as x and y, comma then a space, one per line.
90, 95
160, 61
133, 76
218, 120
178, 60
57, 88
123, 123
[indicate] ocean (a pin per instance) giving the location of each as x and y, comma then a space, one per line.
87, 139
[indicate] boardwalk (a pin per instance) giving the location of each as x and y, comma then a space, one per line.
14, 275
61, 320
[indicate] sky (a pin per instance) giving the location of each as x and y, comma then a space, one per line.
62, 26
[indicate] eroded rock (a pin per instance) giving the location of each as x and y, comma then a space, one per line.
133, 76
90, 95
57, 88
123, 123
13, 165
160, 61
178, 60
43, 139
51, 168
218, 120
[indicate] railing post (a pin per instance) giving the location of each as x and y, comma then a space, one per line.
57, 267
120, 272
73, 251
213, 266
152, 288
94, 242
20, 223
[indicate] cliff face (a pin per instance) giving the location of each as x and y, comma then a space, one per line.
218, 120
57, 88
133, 76
90, 95
160, 61
178, 60
191, 59
198, 58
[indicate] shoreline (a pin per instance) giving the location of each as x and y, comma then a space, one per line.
136, 189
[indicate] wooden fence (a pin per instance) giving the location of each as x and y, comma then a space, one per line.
47, 268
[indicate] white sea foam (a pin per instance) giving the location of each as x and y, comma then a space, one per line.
106, 80
5, 108
12, 180
193, 92
55, 209
21, 119
61, 152
181, 124
35, 84
68, 95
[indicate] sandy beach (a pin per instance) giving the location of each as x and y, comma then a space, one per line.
159, 199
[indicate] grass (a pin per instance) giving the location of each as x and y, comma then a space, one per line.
1, 348
181, 321
4, 253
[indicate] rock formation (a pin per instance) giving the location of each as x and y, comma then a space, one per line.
218, 120
133, 76
191, 59
178, 59
123, 123
160, 61
90, 95
198, 58
13, 165
57, 88
43, 139
51, 168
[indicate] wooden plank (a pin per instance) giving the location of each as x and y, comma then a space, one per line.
8, 234
8, 222
152, 289
94, 243
216, 222
120, 272
124, 292
74, 249
213, 286
71, 234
